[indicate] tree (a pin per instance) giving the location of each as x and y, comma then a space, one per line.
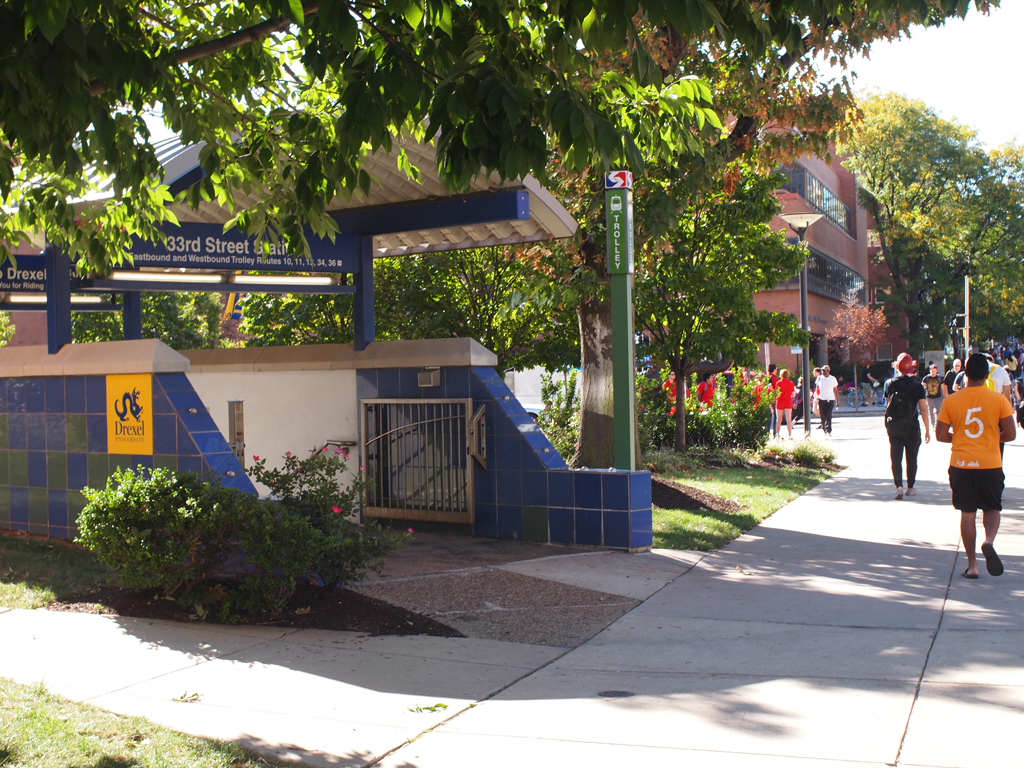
289, 96
858, 327
778, 109
180, 320
494, 295
706, 253
942, 207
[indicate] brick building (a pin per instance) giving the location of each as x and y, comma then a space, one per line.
838, 259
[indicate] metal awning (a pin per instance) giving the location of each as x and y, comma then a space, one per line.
390, 190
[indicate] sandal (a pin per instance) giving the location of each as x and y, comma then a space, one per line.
967, 575
992, 561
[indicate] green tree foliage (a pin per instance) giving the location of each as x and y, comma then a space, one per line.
291, 96
705, 254
494, 295
179, 320
943, 208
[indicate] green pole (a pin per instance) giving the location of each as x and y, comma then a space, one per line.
619, 220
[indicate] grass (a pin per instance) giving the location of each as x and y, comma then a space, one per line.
761, 491
35, 571
40, 730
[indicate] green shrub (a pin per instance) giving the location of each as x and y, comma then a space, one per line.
311, 489
178, 532
655, 423
560, 419
813, 453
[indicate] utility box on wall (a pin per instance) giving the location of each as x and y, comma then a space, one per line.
236, 429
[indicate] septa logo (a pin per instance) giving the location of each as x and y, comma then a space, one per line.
618, 180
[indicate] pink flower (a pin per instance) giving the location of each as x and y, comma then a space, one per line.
255, 457
337, 450
345, 454
361, 467
337, 510
411, 530
287, 453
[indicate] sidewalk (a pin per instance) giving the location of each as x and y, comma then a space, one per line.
838, 633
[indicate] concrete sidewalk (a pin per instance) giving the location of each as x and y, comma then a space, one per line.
838, 633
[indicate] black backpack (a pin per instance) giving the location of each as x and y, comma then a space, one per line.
901, 412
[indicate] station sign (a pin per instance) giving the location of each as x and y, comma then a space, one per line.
27, 276
208, 246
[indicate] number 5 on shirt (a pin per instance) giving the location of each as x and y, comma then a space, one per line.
972, 419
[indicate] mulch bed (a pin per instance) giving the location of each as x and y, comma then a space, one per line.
669, 494
309, 608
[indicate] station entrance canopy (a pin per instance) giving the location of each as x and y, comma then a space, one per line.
396, 217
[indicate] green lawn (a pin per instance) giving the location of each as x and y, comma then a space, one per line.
40, 730
761, 491
35, 571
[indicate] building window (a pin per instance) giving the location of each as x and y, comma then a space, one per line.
828, 277
883, 352
813, 190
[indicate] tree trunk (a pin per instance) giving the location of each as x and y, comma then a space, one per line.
597, 447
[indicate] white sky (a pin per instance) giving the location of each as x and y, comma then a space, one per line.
967, 70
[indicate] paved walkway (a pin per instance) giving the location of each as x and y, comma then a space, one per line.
838, 634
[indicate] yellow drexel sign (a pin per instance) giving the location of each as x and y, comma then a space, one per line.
130, 414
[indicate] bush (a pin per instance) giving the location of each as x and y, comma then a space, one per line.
560, 419
656, 425
178, 532
813, 453
809, 452
736, 421
311, 489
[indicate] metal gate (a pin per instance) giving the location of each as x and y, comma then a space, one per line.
418, 458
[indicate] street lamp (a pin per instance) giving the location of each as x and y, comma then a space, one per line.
801, 222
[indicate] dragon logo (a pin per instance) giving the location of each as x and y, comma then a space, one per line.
129, 403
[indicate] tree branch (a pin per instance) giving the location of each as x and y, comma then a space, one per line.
226, 43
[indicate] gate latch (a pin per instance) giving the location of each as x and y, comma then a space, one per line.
478, 437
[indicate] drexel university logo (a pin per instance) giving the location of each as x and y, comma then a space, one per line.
129, 403
129, 414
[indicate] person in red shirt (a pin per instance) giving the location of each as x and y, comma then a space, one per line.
670, 389
784, 404
706, 389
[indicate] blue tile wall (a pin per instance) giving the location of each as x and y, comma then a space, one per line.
596, 508
35, 412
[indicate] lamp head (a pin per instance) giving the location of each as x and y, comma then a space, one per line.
801, 220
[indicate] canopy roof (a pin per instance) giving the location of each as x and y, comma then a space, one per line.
391, 187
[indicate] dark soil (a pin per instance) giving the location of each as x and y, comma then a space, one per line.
309, 608
669, 494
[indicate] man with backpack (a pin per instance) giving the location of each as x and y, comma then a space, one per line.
977, 421
904, 400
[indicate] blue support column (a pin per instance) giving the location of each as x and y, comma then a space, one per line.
58, 298
131, 315
362, 310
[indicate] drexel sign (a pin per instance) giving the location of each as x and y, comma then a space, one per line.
130, 414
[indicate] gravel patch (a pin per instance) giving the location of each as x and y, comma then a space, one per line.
494, 604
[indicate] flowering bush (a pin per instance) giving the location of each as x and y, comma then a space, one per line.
312, 489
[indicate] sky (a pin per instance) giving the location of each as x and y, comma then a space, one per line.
966, 70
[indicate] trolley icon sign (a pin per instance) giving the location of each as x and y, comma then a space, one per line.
618, 180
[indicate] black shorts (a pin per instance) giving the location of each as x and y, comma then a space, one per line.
975, 489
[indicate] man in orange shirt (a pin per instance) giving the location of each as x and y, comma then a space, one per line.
976, 420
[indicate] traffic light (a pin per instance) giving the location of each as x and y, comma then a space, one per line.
957, 321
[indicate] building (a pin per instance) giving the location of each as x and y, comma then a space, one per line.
837, 252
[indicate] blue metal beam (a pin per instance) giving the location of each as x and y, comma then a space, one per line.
58, 298
131, 315
437, 214
364, 323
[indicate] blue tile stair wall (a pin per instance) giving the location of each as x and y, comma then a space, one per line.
53, 443
527, 491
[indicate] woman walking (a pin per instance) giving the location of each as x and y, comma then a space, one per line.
784, 404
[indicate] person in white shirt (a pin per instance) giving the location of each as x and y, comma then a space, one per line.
827, 387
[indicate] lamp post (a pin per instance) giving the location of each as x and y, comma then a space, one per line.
801, 222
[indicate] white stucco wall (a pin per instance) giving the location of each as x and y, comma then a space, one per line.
293, 411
